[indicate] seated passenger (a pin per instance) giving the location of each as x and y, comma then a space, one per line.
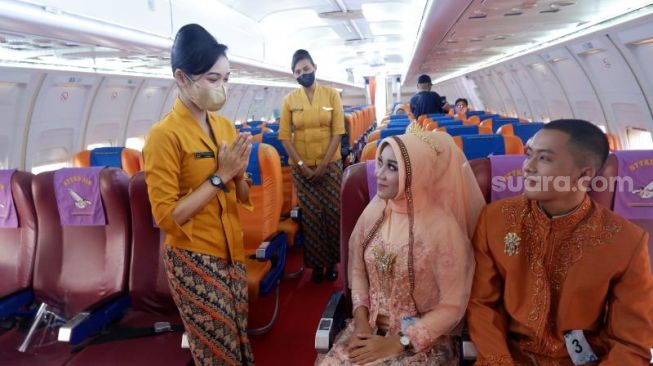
410, 255
462, 106
399, 109
560, 280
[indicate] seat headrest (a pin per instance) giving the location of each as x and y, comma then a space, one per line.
636, 201
77, 192
106, 156
370, 167
387, 132
462, 130
8, 215
507, 176
526, 130
480, 146
448, 123
272, 139
498, 122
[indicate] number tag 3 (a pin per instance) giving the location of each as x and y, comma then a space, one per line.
579, 350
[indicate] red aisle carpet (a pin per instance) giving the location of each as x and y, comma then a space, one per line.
291, 340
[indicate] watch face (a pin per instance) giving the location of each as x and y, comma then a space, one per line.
216, 181
404, 341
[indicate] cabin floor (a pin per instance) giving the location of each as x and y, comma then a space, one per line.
291, 340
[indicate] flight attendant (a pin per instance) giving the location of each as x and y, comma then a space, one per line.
312, 123
195, 165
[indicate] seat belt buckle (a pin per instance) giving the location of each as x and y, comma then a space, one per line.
160, 327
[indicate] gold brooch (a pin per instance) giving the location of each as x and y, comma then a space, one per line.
512, 244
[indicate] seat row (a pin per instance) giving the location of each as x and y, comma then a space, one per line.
80, 246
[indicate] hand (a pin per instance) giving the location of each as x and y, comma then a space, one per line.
307, 172
318, 172
241, 174
369, 348
233, 160
359, 329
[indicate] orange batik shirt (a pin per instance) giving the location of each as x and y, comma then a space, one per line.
539, 277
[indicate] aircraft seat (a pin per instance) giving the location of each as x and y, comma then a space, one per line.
290, 203
369, 151
472, 120
494, 123
130, 160
459, 130
387, 132
18, 231
480, 146
631, 203
522, 130
613, 142
374, 135
150, 298
82, 258
483, 174
265, 246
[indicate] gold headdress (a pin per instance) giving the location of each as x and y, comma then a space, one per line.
414, 128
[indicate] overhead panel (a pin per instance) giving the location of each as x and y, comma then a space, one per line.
619, 93
15, 95
110, 110
578, 89
58, 118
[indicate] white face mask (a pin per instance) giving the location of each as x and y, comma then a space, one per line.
207, 98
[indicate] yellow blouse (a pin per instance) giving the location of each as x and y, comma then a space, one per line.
314, 123
179, 156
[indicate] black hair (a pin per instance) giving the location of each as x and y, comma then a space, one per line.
589, 141
298, 56
462, 100
195, 50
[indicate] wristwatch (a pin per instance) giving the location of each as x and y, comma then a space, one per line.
300, 163
405, 341
216, 181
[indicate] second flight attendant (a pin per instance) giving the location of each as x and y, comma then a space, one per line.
312, 123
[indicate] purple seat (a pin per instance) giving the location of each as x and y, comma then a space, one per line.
150, 297
80, 272
18, 244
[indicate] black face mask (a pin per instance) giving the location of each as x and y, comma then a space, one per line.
306, 80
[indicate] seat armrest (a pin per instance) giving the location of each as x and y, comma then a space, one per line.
276, 252
89, 322
11, 304
296, 214
267, 249
469, 349
331, 322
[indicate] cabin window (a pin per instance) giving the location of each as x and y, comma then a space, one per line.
98, 145
135, 143
639, 138
49, 167
603, 128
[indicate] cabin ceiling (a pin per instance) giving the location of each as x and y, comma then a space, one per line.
461, 33
349, 39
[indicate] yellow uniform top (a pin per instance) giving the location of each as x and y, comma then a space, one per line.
314, 123
178, 157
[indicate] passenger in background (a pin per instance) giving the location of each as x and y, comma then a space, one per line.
427, 101
560, 279
410, 257
399, 109
462, 106
311, 126
195, 165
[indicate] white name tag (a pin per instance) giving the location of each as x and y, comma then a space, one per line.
579, 350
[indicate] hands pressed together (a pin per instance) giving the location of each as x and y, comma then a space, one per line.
232, 160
